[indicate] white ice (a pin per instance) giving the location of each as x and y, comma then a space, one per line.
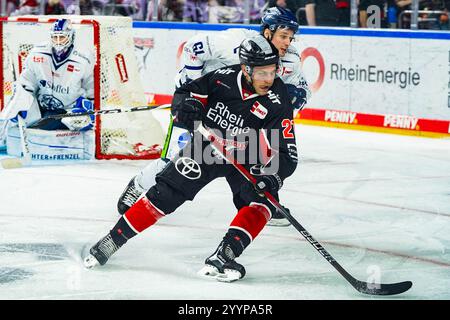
379, 203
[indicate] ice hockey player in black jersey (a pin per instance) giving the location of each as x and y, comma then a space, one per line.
247, 108
205, 52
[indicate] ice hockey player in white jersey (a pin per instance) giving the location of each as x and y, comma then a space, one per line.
204, 53
57, 78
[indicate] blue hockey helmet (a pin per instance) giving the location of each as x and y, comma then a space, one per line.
62, 36
278, 17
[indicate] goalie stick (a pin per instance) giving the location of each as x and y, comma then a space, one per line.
361, 286
11, 163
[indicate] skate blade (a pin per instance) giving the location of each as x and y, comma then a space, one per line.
278, 223
90, 262
229, 276
208, 272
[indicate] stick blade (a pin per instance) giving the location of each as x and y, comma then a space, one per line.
383, 289
12, 163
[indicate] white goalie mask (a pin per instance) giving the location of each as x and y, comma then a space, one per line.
62, 36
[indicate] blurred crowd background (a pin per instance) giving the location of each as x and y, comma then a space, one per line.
432, 14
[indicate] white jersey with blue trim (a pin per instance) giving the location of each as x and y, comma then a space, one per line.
58, 84
204, 53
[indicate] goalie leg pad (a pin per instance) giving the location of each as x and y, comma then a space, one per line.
52, 145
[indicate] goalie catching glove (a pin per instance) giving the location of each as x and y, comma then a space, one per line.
81, 123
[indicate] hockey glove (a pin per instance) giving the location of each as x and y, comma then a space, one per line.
187, 112
269, 183
81, 123
297, 96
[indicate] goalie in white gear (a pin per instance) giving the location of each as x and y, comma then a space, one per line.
204, 53
56, 79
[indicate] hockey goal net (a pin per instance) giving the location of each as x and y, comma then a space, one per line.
117, 81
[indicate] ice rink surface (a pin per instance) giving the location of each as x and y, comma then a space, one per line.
379, 203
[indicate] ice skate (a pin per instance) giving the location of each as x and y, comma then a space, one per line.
222, 266
129, 196
101, 252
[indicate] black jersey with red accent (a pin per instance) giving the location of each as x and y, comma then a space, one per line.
233, 109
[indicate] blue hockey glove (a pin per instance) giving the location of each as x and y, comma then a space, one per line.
23, 114
82, 123
297, 96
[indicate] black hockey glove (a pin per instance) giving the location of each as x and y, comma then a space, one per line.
270, 183
187, 112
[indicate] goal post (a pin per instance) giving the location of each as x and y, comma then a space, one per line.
117, 83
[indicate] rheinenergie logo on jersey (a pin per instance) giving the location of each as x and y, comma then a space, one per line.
221, 115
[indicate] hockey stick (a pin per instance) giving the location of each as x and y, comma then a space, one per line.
361, 286
94, 112
11, 163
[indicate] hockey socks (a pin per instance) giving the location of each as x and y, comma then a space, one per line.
251, 219
246, 225
142, 215
139, 217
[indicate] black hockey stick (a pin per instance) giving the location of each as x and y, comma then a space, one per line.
44, 120
361, 286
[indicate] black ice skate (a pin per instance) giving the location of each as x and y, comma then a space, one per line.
101, 252
222, 266
129, 196
278, 220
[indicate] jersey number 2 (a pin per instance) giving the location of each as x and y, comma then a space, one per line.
288, 125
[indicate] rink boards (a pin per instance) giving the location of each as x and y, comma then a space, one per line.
394, 81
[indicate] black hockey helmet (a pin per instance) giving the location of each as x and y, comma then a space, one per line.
278, 17
258, 51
